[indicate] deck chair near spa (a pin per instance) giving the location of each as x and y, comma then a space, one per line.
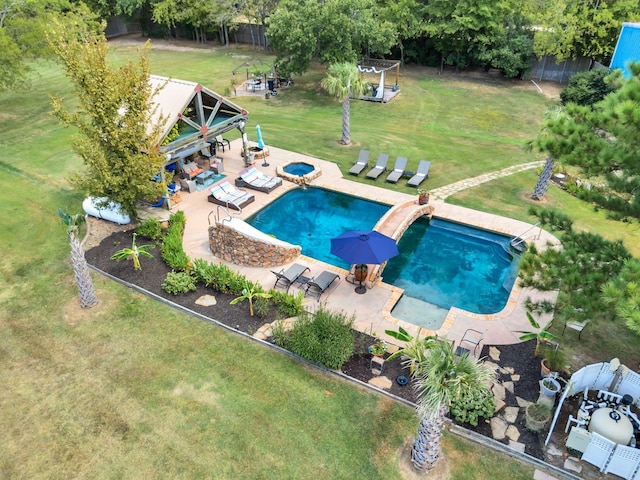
253, 178
318, 285
286, 278
361, 163
421, 174
220, 142
381, 166
225, 194
398, 170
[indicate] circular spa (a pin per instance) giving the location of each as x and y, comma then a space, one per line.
299, 172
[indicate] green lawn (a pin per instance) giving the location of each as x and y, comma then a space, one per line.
134, 389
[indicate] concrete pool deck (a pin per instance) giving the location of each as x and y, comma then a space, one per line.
372, 310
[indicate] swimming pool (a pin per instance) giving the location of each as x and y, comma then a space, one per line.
441, 264
311, 217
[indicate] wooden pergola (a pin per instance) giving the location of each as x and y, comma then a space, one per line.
382, 91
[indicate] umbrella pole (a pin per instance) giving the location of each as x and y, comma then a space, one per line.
360, 289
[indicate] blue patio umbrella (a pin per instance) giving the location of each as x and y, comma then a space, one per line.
361, 247
259, 133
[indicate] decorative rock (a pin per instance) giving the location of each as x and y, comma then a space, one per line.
499, 404
498, 428
573, 466
512, 433
517, 446
508, 386
491, 365
494, 353
381, 382
509, 370
522, 403
499, 391
555, 451
515, 378
511, 414
206, 301
260, 336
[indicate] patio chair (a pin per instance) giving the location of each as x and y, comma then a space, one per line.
190, 170
227, 195
421, 174
361, 163
318, 285
381, 166
220, 142
470, 338
398, 170
577, 326
624, 461
253, 178
286, 278
598, 451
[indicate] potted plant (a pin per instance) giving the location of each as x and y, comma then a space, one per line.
541, 333
550, 386
423, 196
537, 415
554, 360
360, 272
379, 347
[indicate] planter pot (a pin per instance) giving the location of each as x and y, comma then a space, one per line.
423, 199
550, 386
360, 274
544, 370
537, 416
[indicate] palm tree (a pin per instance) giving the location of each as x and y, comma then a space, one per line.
88, 296
344, 81
544, 179
441, 379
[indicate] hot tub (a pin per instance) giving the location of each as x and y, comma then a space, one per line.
300, 172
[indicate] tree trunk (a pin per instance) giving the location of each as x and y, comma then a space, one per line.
88, 296
426, 448
346, 126
544, 179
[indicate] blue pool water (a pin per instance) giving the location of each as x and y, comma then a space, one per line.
298, 168
448, 264
441, 264
311, 217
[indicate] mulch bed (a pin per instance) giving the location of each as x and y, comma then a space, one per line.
519, 357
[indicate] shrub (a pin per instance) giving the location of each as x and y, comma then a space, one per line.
288, 305
470, 406
325, 337
261, 307
172, 251
150, 229
222, 278
203, 271
178, 282
587, 88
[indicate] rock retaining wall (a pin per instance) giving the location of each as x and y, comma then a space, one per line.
232, 246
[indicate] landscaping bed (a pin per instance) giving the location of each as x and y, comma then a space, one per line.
518, 357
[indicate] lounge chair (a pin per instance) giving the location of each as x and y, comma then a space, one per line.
381, 166
253, 178
318, 285
398, 170
361, 163
286, 279
421, 174
224, 193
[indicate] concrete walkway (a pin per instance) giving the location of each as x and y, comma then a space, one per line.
373, 309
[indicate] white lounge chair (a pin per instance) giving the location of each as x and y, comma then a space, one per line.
224, 193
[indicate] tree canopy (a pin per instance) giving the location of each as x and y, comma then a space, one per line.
119, 149
334, 31
602, 140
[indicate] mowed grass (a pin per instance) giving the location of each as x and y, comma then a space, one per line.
134, 389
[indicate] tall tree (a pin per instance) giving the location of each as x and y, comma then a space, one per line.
405, 16
88, 296
442, 379
460, 29
574, 28
335, 31
602, 140
23, 26
117, 139
344, 81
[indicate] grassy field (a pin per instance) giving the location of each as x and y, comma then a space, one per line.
134, 389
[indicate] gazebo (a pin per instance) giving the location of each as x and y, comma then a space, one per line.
195, 116
379, 73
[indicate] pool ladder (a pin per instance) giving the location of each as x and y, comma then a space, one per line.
227, 217
517, 243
